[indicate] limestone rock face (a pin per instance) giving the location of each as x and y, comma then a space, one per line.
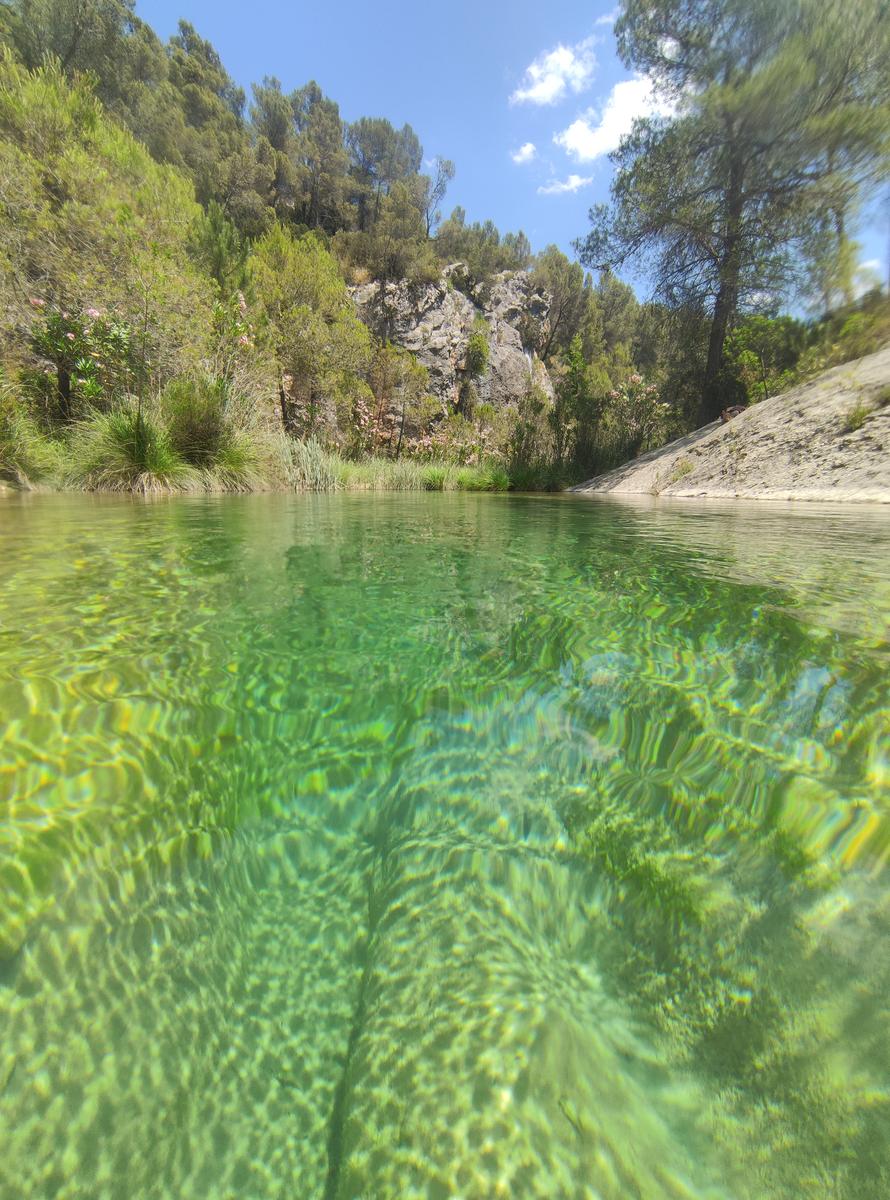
435, 320
800, 445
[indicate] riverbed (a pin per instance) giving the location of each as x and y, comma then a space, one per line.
393, 846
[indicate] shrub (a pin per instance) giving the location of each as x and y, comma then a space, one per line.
199, 416
476, 362
530, 439
94, 358
127, 451
89, 213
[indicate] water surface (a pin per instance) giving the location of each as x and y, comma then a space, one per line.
367, 847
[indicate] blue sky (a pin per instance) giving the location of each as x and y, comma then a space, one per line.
526, 98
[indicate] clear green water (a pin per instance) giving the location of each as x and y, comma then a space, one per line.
368, 848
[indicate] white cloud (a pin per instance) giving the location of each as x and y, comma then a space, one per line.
554, 74
525, 153
608, 18
592, 137
560, 186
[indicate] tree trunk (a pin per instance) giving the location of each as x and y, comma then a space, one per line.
64, 390
712, 392
282, 401
727, 299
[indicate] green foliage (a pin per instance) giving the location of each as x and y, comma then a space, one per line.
683, 467
596, 426
576, 412
380, 157
397, 413
480, 249
322, 350
569, 292
83, 35
87, 218
238, 464
188, 441
487, 477
761, 354
639, 413
96, 358
318, 470
395, 246
219, 249
850, 332
313, 468
530, 440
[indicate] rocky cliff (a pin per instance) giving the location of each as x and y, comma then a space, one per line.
436, 320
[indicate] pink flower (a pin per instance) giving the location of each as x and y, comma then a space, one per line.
636, 378
36, 303
243, 340
93, 313
70, 337
242, 303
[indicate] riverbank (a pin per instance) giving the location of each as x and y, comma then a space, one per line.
826, 440
257, 462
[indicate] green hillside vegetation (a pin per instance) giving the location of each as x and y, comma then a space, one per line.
175, 259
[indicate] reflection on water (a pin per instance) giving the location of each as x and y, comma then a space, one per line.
375, 847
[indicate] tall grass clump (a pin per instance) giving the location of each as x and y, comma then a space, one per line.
238, 465
126, 450
312, 468
193, 410
381, 475
201, 419
489, 477
408, 475
315, 469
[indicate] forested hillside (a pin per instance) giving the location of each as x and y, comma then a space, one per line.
175, 259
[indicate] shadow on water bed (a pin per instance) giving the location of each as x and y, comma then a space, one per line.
402, 846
